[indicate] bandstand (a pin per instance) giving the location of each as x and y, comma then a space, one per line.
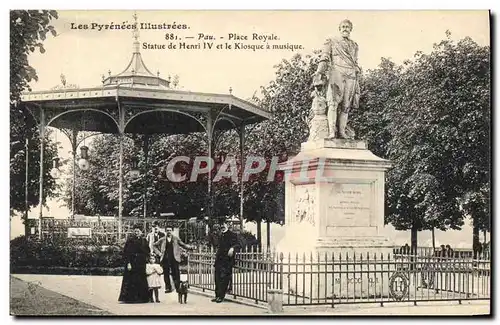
137, 101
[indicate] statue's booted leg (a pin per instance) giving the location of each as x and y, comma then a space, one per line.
342, 125
332, 120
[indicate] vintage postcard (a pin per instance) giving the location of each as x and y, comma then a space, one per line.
223, 163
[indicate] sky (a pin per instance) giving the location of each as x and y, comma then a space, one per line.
83, 56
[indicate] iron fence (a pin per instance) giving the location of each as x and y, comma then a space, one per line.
332, 279
105, 232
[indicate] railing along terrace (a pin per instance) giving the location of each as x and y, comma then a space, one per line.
332, 279
105, 232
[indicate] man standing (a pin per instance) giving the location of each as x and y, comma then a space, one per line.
168, 248
337, 78
224, 261
154, 235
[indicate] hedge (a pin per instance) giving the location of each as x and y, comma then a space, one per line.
63, 252
77, 256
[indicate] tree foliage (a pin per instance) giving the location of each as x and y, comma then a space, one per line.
98, 188
28, 30
288, 99
431, 118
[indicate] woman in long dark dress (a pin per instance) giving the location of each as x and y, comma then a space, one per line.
135, 284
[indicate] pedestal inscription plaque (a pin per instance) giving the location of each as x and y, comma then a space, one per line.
350, 205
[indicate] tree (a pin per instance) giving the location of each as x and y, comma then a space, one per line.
434, 126
28, 29
288, 98
98, 187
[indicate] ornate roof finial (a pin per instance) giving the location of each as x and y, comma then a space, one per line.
158, 73
64, 85
230, 90
109, 72
135, 33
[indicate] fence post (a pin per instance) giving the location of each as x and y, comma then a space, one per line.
281, 271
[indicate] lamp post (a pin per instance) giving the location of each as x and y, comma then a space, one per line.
55, 172
134, 168
83, 162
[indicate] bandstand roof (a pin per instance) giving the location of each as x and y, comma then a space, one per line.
138, 101
154, 110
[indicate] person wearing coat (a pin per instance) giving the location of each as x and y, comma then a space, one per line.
136, 253
227, 247
168, 248
154, 236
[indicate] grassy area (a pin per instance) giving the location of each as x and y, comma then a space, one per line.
29, 299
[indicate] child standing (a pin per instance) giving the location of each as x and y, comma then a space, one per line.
153, 271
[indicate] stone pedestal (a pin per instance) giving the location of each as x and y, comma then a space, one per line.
335, 210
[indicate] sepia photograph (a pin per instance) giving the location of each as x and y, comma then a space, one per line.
250, 163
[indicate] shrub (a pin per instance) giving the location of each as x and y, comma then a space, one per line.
63, 252
247, 240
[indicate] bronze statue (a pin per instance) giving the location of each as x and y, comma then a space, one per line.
337, 79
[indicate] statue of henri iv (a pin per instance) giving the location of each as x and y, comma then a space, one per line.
337, 80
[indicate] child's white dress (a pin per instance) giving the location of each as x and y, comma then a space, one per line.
154, 279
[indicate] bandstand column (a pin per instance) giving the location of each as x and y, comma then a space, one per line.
74, 146
146, 152
40, 180
209, 128
120, 187
242, 165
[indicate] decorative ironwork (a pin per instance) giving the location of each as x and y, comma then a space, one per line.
104, 230
427, 277
398, 286
132, 112
64, 85
333, 279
